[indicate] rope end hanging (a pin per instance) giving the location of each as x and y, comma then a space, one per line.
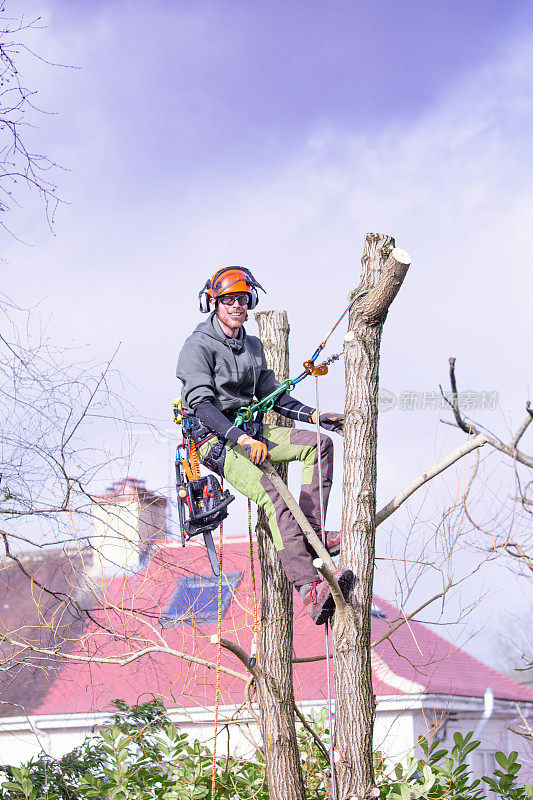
253, 653
253, 649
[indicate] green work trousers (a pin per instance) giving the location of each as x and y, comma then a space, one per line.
284, 445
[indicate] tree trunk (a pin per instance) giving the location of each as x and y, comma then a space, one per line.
275, 687
383, 270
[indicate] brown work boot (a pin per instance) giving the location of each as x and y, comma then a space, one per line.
318, 600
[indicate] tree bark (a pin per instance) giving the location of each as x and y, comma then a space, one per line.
383, 270
274, 669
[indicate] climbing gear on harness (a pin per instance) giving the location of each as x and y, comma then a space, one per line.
202, 503
246, 413
229, 280
255, 450
177, 411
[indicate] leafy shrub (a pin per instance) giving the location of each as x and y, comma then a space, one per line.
443, 774
143, 756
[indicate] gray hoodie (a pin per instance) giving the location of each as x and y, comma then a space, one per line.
229, 372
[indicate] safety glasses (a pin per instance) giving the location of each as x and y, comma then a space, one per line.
229, 299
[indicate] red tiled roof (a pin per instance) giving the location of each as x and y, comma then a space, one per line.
41, 602
418, 661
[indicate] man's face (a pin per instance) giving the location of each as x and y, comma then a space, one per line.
233, 315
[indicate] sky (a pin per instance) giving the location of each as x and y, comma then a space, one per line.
275, 135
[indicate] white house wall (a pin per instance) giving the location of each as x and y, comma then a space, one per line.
399, 722
23, 737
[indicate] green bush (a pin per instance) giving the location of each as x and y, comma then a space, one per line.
143, 756
443, 774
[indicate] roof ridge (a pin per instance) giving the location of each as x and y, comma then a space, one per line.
462, 651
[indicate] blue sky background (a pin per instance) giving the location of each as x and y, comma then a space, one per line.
276, 135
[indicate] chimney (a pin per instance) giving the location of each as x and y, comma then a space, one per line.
127, 519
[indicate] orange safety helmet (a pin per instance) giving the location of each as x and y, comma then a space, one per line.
229, 280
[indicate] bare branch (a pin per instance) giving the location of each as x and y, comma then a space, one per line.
470, 427
308, 659
18, 164
525, 729
476, 441
237, 650
516, 551
319, 743
123, 660
407, 617
523, 427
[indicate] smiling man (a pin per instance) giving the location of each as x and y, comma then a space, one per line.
222, 369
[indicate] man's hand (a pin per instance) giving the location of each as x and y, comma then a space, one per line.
330, 422
256, 451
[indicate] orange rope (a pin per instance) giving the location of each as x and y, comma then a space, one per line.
253, 649
219, 649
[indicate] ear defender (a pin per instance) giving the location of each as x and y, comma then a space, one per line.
254, 298
203, 298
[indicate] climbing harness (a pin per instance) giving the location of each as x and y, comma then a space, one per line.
202, 503
246, 413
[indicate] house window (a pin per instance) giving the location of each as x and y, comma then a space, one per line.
195, 600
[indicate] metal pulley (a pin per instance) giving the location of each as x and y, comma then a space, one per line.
315, 370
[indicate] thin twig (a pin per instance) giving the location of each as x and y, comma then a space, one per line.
470, 427
237, 650
320, 744
122, 661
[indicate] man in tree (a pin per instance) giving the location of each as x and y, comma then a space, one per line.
223, 369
